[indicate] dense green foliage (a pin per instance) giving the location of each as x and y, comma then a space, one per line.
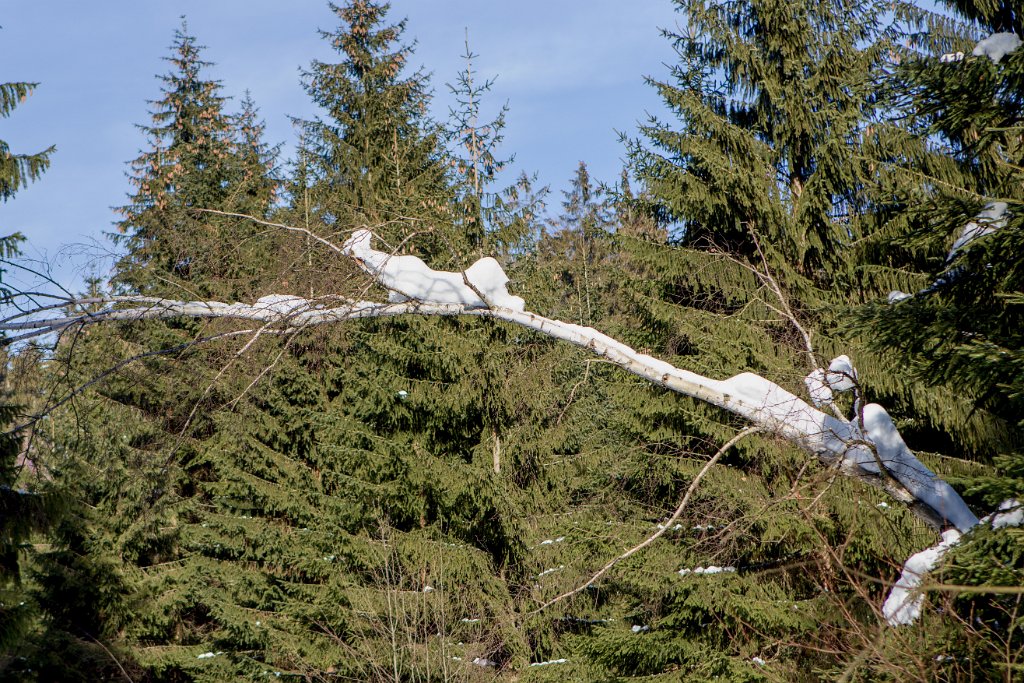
762, 188
124, 452
960, 328
28, 508
407, 499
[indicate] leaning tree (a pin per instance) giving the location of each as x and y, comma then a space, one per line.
863, 444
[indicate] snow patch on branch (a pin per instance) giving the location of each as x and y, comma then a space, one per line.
550, 662
996, 46
552, 570
818, 387
901, 463
713, 569
822, 384
408, 278
768, 404
1010, 513
992, 218
841, 374
904, 602
903, 606
550, 541
285, 304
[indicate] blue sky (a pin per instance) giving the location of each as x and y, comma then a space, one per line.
571, 71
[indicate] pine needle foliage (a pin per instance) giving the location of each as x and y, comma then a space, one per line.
28, 507
18, 170
959, 330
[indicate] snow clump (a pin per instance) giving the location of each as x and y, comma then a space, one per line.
408, 278
903, 606
281, 303
1011, 513
839, 377
549, 662
992, 218
996, 46
707, 570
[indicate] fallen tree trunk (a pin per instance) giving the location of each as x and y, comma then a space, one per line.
867, 447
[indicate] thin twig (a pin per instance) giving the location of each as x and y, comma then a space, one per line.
309, 233
655, 536
111, 655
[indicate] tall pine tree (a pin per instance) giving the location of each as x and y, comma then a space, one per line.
199, 157
129, 449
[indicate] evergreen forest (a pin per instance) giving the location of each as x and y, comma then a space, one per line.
833, 203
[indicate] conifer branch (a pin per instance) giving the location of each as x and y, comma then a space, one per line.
290, 228
660, 532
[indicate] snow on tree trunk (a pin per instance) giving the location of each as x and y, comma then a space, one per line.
876, 454
903, 604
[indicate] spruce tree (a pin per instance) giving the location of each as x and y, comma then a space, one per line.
28, 507
199, 157
474, 146
129, 449
958, 327
578, 240
951, 253
376, 157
